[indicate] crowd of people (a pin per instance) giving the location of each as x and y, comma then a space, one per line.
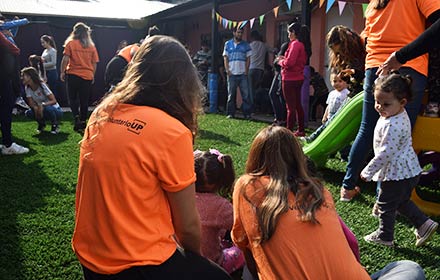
159, 210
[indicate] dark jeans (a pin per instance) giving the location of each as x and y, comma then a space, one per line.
314, 103
181, 265
78, 91
395, 196
363, 143
7, 100
254, 76
277, 99
292, 95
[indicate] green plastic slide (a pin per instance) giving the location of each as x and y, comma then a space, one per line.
339, 133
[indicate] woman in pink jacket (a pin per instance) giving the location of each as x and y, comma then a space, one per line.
292, 76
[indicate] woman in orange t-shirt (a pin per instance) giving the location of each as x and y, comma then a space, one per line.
79, 63
135, 215
285, 221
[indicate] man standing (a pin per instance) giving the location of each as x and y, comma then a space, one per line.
202, 61
236, 55
256, 67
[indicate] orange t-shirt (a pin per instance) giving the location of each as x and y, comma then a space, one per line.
393, 27
296, 250
123, 217
81, 60
128, 52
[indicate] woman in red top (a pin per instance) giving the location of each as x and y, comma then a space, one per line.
292, 75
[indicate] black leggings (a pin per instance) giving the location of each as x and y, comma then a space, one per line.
181, 265
78, 91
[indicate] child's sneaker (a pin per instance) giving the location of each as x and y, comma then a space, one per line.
425, 232
347, 195
14, 149
374, 238
55, 129
375, 212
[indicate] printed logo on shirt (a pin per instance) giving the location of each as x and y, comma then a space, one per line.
134, 126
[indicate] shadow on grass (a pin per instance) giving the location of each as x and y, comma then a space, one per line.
23, 188
206, 134
47, 138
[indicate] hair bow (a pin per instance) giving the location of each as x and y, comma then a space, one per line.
217, 153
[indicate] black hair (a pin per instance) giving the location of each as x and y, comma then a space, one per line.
216, 170
397, 84
153, 30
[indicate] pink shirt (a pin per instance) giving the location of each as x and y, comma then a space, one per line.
216, 217
293, 63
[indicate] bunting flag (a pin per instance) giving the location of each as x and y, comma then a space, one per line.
275, 11
261, 19
329, 5
364, 8
321, 2
225, 23
234, 24
218, 16
252, 22
229, 24
289, 4
341, 5
243, 24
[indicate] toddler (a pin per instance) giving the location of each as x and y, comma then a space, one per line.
215, 174
395, 166
43, 104
335, 100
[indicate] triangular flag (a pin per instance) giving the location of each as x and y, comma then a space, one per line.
310, 1
239, 24
243, 23
217, 16
229, 24
341, 5
234, 24
289, 4
225, 23
329, 5
364, 8
252, 22
261, 19
321, 2
275, 11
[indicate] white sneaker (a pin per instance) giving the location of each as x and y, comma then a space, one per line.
14, 149
425, 232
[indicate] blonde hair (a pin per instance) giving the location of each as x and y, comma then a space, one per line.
276, 153
161, 75
81, 32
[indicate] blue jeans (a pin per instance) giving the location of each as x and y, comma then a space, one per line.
235, 81
50, 113
363, 143
407, 270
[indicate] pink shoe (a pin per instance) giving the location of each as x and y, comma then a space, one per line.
299, 133
347, 195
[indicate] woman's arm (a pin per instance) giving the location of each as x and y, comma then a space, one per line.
186, 219
63, 67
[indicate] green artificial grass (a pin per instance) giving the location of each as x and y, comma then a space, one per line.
37, 201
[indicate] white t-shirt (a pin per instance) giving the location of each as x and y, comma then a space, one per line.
335, 100
40, 95
394, 157
50, 59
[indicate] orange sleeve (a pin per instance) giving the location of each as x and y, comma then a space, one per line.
68, 49
176, 164
95, 57
238, 232
427, 7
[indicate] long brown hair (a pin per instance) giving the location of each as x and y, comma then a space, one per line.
276, 153
81, 32
161, 75
351, 49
